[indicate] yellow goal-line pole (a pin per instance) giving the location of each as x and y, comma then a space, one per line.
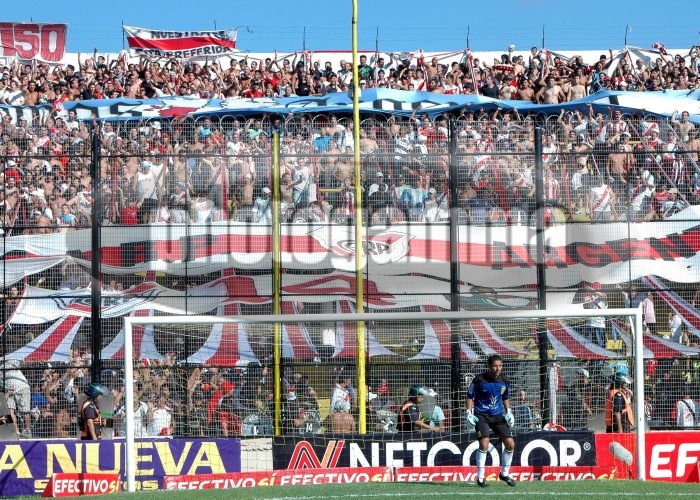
359, 248
276, 281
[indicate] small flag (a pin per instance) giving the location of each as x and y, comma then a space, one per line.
660, 47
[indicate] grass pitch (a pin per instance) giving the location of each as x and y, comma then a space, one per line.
418, 491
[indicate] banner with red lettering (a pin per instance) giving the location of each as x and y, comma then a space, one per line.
277, 478
28, 466
42, 41
180, 44
495, 257
673, 456
532, 449
78, 484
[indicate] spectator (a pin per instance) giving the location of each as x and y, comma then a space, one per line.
675, 326
18, 393
649, 314
578, 395
594, 298
522, 411
685, 412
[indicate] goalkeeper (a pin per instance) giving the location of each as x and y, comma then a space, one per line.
488, 409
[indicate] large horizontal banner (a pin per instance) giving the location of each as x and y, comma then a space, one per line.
307, 477
377, 100
537, 449
42, 41
27, 466
39, 305
180, 44
497, 257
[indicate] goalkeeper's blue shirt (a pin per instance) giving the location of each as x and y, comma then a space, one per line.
488, 394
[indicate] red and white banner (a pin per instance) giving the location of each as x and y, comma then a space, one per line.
670, 456
673, 456
519, 473
77, 484
42, 41
495, 257
180, 44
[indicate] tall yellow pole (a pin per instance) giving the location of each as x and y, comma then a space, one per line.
359, 247
276, 280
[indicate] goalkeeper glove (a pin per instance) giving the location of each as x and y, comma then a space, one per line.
510, 419
471, 418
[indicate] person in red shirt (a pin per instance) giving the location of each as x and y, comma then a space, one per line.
253, 91
129, 211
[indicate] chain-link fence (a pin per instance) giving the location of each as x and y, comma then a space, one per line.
184, 210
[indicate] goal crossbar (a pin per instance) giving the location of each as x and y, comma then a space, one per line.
560, 312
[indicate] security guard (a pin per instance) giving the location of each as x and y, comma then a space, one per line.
89, 420
410, 418
619, 416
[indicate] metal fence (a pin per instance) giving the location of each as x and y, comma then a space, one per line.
181, 180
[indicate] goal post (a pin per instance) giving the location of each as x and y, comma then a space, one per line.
515, 317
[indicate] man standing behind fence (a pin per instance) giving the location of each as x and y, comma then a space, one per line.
488, 409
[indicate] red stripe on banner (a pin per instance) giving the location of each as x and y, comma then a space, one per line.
227, 351
675, 301
298, 335
348, 332
576, 347
443, 333
172, 44
497, 255
488, 337
137, 332
49, 346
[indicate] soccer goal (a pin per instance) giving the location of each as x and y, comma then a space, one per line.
299, 359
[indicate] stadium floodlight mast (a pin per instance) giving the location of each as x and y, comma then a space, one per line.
560, 312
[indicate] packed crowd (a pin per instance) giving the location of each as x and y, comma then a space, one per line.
539, 77
597, 166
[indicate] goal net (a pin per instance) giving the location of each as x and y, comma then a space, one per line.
260, 377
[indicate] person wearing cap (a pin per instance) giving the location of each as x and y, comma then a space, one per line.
672, 205
147, 190
89, 420
435, 209
343, 403
488, 410
577, 408
410, 417
619, 416
262, 208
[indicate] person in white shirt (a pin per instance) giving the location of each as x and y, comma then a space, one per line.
162, 422
675, 325
601, 202
262, 208
18, 393
685, 412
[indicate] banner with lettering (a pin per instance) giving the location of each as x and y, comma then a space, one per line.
42, 41
27, 466
495, 257
180, 44
537, 449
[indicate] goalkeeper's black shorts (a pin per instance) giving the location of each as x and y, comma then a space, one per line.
495, 423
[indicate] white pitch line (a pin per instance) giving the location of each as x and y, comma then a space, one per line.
483, 493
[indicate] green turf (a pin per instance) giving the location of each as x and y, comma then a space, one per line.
416, 491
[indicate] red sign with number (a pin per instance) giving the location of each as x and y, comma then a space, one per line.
43, 41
